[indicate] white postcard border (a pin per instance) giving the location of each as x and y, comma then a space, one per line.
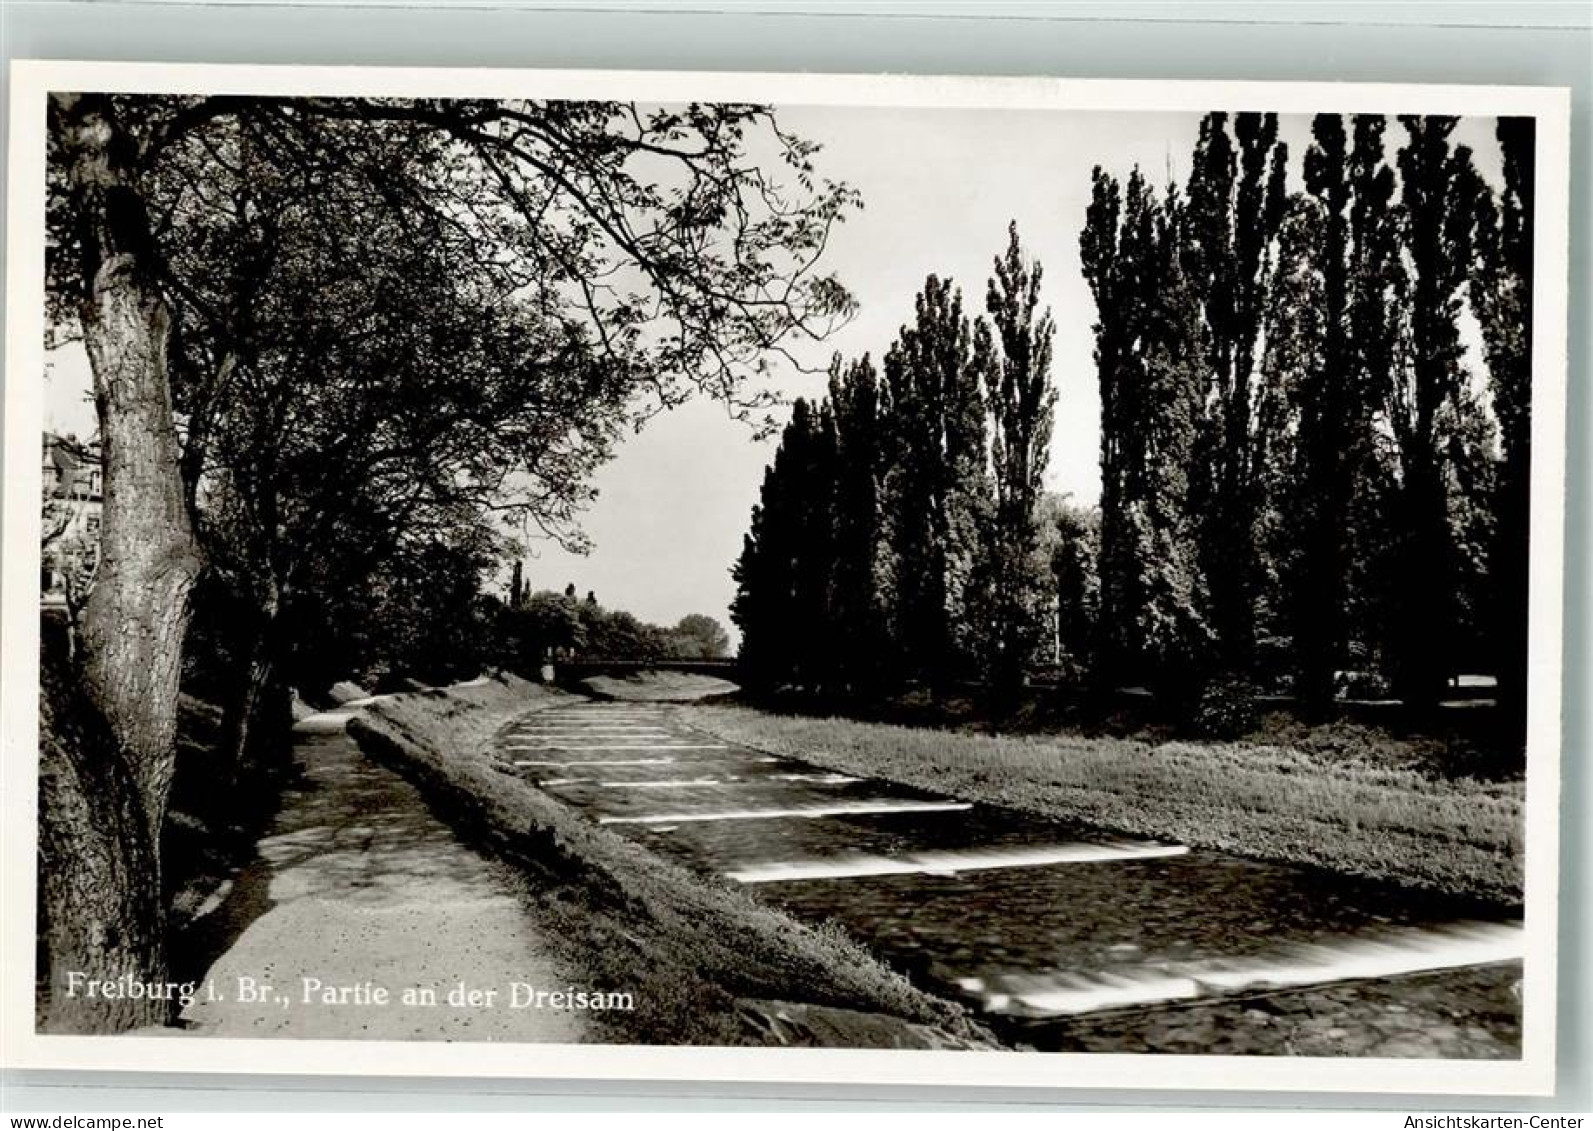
21, 1047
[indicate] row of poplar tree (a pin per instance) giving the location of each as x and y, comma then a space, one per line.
1300, 473
897, 538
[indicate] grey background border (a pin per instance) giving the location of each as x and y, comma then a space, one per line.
1503, 43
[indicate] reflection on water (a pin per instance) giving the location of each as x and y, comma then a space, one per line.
1386, 954
598, 762
803, 811
1045, 924
853, 865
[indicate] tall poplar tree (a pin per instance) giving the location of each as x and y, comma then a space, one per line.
762, 577
1357, 259
937, 485
1437, 198
1501, 296
1296, 334
1149, 365
811, 634
773, 595
1233, 209
1022, 404
1113, 281
861, 639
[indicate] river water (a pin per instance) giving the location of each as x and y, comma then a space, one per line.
1060, 936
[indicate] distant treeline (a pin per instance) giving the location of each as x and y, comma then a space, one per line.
437, 621
547, 626
1303, 472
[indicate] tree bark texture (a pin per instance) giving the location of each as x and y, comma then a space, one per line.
102, 909
104, 802
137, 616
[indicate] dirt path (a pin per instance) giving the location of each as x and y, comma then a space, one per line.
358, 885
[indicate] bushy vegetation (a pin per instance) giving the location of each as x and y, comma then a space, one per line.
1226, 709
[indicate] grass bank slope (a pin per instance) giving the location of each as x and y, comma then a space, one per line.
658, 686
707, 964
1276, 802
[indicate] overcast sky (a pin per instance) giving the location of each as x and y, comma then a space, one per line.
939, 187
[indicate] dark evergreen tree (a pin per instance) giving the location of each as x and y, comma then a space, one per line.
861, 632
812, 636
765, 573
786, 602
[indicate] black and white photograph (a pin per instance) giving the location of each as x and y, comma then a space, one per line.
1061, 577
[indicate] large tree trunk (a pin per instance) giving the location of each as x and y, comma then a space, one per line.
1512, 575
103, 917
1426, 622
137, 615
1323, 580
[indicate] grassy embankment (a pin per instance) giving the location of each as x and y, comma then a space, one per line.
658, 687
707, 963
1347, 806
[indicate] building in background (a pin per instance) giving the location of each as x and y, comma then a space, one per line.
73, 488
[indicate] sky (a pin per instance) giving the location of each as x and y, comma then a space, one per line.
939, 188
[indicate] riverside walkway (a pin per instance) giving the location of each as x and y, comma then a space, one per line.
358, 887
